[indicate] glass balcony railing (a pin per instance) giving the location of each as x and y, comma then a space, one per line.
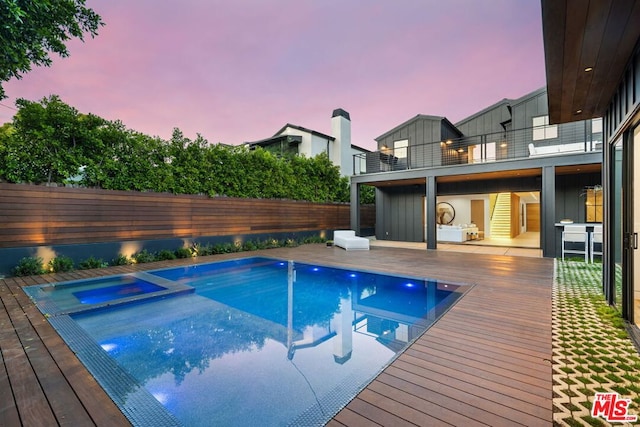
517, 144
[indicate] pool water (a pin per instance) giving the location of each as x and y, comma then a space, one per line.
110, 293
260, 341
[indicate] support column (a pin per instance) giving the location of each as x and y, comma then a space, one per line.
548, 214
431, 213
354, 208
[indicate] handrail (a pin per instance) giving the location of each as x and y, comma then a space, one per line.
493, 201
491, 147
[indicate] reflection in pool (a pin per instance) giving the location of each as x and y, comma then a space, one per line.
263, 341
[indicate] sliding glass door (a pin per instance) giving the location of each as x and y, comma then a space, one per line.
617, 214
633, 293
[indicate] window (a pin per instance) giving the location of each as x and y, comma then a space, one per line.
593, 203
596, 126
596, 133
542, 129
400, 148
482, 152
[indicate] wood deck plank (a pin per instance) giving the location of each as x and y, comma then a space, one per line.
485, 399
373, 411
438, 414
399, 409
487, 354
63, 400
87, 393
509, 375
442, 397
8, 410
347, 417
474, 339
475, 383
30, 400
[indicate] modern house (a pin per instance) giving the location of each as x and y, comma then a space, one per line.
501, 173
592, 56
293, 139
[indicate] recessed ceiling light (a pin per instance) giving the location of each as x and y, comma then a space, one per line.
588, 69
578, 111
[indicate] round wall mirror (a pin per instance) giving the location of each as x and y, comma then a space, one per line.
445, 213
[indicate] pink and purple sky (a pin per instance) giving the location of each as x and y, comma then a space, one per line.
239, 70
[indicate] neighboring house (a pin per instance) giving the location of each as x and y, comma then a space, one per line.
502, 172
592, 56
292, 139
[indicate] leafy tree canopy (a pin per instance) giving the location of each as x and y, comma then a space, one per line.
51, 142
31, 29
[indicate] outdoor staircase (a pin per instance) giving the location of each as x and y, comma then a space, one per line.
500, 224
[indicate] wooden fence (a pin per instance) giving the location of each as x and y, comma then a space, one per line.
38, 215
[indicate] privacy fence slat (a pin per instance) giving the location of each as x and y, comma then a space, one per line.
38, 215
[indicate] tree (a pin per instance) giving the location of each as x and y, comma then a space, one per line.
31, 29
49, 141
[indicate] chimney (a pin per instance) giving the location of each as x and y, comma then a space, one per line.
341, 151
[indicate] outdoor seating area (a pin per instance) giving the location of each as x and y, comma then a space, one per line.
457, 233
577, 239
347, 240
551, 150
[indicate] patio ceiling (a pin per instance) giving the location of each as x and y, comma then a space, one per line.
505, 174
587, 44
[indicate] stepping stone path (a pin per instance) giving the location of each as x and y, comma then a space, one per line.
592, 351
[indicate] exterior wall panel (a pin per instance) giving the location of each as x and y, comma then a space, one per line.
401, 214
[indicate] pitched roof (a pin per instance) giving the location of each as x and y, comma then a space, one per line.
415, 119
291, 139
503, 102
302, 129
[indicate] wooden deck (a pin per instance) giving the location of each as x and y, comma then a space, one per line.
486, 362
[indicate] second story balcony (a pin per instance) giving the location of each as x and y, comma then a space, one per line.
507, 145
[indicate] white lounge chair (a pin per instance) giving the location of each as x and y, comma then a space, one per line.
348, 240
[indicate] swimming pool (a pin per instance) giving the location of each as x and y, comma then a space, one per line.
253, 341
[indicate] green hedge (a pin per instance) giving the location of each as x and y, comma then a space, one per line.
30, 266
51, 142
